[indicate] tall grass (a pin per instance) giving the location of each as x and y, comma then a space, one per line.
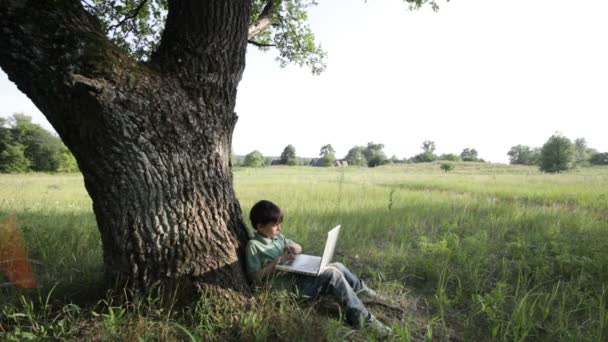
486, 252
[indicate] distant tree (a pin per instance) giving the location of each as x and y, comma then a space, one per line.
328, 155
582, 153
13, 160
254, 159
374, 155
427, 155
469, 155
355, 156
42, 148
599, 159
327, 149
523, 155
428, 146
447, 167
288, 157
557, 154
449, 157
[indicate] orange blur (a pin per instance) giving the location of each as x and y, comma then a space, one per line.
13, 256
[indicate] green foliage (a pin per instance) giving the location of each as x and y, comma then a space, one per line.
355, 156
374, 155
599, 159
427, 155
582, 153
447, 167
449, 157
524, 155
44, 151
136, 26
327, 150
424, 157
288, 157
133, 25
67, 162
469, 155
254, 159
557, 154
13, 160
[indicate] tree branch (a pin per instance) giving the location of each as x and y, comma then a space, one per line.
129, 16
263, 22
253, 42
48, 47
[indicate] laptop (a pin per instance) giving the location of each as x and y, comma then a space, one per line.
310, 264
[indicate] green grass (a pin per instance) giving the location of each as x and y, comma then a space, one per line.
485, 252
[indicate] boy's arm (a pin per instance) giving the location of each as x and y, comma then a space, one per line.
269, 268
292, 248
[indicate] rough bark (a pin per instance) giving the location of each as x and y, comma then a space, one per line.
152, 140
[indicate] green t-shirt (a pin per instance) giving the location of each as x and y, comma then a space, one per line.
261, 250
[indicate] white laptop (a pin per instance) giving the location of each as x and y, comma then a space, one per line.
314, 265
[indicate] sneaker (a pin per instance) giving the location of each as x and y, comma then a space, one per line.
380, 328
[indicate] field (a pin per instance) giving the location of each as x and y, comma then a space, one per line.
485, 252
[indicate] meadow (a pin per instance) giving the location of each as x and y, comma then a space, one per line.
483, 253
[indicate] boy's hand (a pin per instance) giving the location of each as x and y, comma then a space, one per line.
290, 249
286, 258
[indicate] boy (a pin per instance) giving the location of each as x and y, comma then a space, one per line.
269, 247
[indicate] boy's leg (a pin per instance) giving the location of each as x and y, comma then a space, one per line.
351, 278
333, 282
357, 284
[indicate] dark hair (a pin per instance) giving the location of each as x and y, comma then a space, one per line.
265, 212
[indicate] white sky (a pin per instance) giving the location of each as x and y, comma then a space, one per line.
483, 74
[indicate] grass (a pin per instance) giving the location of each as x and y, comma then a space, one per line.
485, 252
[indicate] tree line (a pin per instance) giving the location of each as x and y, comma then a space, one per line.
557, 154
371, 155
26, 146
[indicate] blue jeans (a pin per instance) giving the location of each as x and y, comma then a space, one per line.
340, 283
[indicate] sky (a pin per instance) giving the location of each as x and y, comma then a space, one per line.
483, 74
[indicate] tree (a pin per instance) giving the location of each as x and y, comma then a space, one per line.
427, 155
254, 159
469, 155
42, 148
288, 157
428, 146
599, 159
557, 154
328, 155
355, 156
149, 116
582, 153
13, 160
524, 155
374, 155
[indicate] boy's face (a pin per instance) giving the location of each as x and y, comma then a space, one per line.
269, 230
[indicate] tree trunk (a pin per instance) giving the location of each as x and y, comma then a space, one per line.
152, 140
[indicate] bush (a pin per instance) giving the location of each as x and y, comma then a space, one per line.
254, 159
447, 167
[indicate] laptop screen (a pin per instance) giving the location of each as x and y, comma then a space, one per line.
330, 247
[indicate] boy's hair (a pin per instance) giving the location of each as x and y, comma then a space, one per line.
265, 212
